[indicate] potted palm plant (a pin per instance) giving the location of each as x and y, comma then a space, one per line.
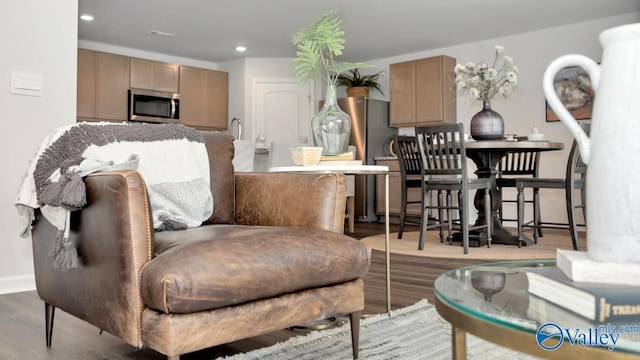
319, 45
358, 84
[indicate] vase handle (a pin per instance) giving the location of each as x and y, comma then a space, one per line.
593, 69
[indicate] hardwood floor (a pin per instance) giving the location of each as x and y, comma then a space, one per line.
22, 314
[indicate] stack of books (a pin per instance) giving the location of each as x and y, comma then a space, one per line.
597, 302
340, 159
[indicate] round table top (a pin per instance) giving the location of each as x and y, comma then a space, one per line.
513, 145
512, 315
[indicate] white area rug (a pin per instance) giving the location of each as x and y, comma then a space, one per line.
414, 332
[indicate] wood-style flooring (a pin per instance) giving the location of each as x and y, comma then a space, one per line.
22, 314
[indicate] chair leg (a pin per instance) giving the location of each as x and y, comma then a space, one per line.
449, 206
424, 220
521, 215
440, 215
571, 216
487, 216
464, 222
403, 210
536, 209
355, 332
536, 217
500, 213
49, 312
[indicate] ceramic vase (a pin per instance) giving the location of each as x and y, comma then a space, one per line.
331, 127
487, 124
612, 149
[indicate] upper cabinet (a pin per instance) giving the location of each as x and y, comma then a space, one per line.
204, 96
154, 75
103, 82
423, 92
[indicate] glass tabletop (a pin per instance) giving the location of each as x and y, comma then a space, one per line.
497, 292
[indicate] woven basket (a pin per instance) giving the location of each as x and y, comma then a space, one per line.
306, 155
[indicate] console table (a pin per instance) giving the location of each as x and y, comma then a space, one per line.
356, 170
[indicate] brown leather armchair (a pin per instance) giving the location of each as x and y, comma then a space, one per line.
271, 256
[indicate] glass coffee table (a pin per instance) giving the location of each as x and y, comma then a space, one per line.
491, 301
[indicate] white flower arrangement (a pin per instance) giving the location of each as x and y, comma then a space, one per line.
484, 82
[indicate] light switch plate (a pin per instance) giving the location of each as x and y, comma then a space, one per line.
26, 83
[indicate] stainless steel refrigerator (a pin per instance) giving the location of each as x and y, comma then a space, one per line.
370, 134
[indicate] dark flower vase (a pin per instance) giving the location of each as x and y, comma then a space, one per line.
487, 124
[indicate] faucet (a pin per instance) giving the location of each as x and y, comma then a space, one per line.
236, 120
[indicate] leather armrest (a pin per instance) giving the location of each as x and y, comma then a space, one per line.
291, 200
113, 235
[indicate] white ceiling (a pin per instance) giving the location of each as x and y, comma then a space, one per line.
209, 30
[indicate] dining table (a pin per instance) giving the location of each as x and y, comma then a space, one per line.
486, 155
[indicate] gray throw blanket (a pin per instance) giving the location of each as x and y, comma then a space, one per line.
171, 158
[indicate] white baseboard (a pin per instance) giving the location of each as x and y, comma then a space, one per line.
14, 284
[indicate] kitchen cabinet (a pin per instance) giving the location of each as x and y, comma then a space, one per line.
422, 92
154, 75
86, 84
395, 192
102, 85
204, 96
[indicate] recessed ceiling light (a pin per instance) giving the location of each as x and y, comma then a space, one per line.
160, 33
241, 49
86, 17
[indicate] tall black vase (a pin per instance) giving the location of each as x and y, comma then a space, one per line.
487, 124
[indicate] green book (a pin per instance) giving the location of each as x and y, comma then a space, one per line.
597, 302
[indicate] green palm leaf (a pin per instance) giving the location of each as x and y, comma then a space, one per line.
318, 45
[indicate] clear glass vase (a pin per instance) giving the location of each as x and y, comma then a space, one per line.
331, 127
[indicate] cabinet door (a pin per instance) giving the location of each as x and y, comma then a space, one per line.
86, 84
165, 77
216, 101
191, 96
141, 74
204, 98
402, 106
435, 90
112, 84
154, 75
395, 192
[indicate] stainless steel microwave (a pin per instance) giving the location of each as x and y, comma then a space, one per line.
153, 106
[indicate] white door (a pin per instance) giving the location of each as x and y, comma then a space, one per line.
283, 112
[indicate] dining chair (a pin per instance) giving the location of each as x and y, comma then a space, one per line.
444, 163
574, 180
412, 177
516, 164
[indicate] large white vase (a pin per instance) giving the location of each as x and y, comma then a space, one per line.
612, 151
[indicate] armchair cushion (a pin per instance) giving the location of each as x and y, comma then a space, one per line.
214, 266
